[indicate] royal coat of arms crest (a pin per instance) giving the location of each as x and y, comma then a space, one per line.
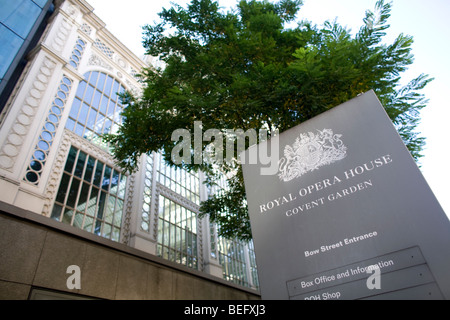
309, 152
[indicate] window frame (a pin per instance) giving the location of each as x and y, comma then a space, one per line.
94, 215
96, 108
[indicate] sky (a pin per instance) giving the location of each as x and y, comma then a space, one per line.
427, 21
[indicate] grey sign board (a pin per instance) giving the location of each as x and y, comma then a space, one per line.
347, 203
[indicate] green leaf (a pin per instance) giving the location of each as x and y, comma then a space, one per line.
245, 70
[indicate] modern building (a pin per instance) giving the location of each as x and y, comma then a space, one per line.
63, 200
21, 25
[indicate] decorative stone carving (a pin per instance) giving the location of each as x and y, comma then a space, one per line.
86, 29
57, 169
126, 225
10, 149
61, 36
95, 60
165, 191
48, 132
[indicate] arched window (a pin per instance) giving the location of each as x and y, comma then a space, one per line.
91, 194
97, 108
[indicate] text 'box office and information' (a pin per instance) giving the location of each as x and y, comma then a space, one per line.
346, 194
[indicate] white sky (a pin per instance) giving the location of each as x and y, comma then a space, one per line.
427, 21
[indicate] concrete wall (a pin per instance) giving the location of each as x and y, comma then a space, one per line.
36, 251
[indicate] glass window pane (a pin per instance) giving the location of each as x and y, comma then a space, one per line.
108, 125
97, 99
91, 120
39, 155
89, 94
63, 188
67, 217
78, 220
93, 78
73, 63
67, 81
56, 212
111, 107
59, 104
99, 124
108, 86
116, 234
79, 129
115, 90
98, 227
43, 145
71, 159
101, 81
19, 16
118, 213
166, 234
89, 169
57, 109
82, 201
62, 95
166, 209
106, 178
7, 8
160, 230
53, 118
81, 89
104, 104
121, 90
110, 209
79, 169
107, 231
90, 136
98, 174
73, 193
11, 44
40, 3
83, 113
70, 124
101, 206
92, 204
75, 108
122, 186
88, 222
115, 182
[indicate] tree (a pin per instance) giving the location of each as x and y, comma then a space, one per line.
247, 70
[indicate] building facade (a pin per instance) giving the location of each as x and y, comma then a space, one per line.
54, 163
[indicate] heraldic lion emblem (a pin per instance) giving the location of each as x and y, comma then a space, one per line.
310, 152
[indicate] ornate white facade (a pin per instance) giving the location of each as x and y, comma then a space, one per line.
53, 163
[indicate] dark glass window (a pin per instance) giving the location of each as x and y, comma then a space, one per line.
81, 203
177, 233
